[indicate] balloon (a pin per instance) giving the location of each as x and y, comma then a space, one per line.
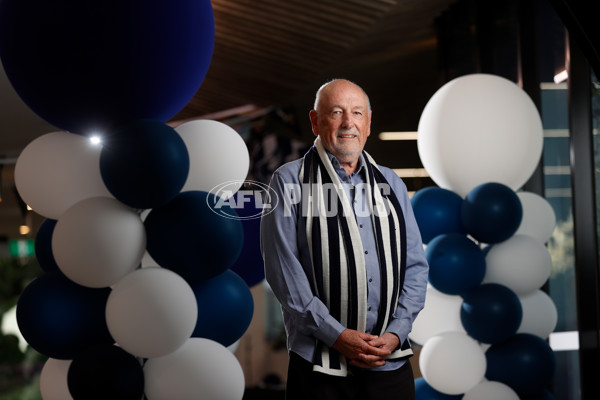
540, 315
524, 362
98, 241
57, 170
43, 245
522, 263
456, 264
53, 380
437, 211
225, 308
144, 164
249, 265
59, 318
189, 238
218, 155
491, 212
128, 60
438, 362
490, 390
201, 369
105, 372
480, 128
425, 392
491, 313
440, 314
151, 312
539, 219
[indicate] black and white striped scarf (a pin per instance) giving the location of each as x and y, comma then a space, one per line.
339, 270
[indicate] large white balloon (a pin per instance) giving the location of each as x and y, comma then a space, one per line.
201, 369
53, 380
480, 128
98, 241
522, 263
452, 362
151, 312
538, 219
491, 390
440, 314
218, 154
57, 170
540, 315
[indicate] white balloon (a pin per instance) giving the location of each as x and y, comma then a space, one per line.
98, 241
57, 170
53, 380
218, 154
480, 128
440, 314
522, 263
538, 219
452, 362
540, 315
491, 390
201, 369
151, 312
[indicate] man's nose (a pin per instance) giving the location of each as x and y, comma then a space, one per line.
347, 121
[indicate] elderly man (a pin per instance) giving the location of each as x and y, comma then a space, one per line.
344, 257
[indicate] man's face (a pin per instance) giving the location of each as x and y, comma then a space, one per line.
342, 120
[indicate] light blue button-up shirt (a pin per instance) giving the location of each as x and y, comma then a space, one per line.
288, 262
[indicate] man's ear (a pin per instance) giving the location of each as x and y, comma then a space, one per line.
314, 121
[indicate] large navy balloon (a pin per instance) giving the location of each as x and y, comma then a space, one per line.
188, 237
491, 212
144, 164
88, 66
524, 362
437, 211
491, 313
249, 265
225, 308
456, 264
105, 372
423, 391
60, 318
43, 246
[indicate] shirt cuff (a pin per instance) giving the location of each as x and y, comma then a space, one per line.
329, 331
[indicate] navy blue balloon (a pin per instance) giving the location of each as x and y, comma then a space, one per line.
105, 372
423, 391
524, 362
491, 212
225, 308
437, 211
456, 263
491, 313
188, 237
60, 318
249, 265
43, 246
88, 66
144, 164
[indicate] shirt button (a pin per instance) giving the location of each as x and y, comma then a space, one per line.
370, 308
370, 280
366, 252
360, 226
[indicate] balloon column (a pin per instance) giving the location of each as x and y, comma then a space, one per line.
485, 320
110, 328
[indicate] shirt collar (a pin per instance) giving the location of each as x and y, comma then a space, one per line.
341, 171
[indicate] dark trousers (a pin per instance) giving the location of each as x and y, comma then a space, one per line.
305, 384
